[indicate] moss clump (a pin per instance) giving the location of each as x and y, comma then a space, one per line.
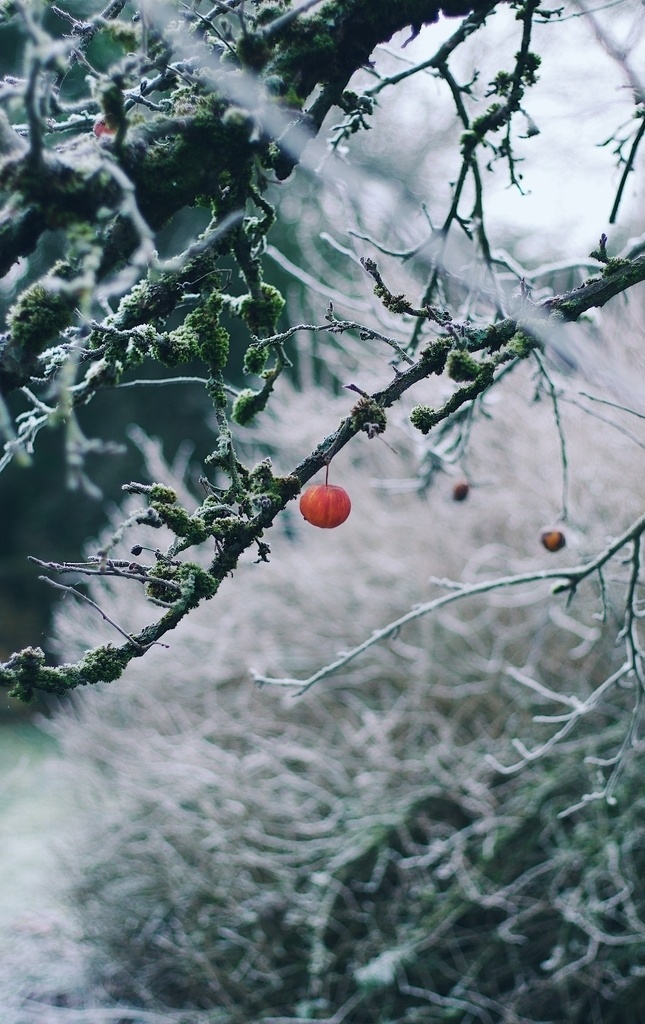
22, 673
369, 416
162, 585
104, 664
124, 347
174, 348
161, 494
217, 392
261, 314
239, 118
209, 161
462, 366
247, 405
494, 337
215, 348
287, 487
522, 345
615, 264
255, 359
38, 317
196, 584
312, 45
424, 418
270, 10
212, 510
263, 482
434, 356
395, 303
278, 489
192, 529
234, 534
253, 51
201, 334
261, 477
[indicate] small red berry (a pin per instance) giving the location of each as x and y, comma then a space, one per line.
101, 128
460, 490
325, 505
553, 540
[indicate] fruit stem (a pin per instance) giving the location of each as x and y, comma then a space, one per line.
326, 474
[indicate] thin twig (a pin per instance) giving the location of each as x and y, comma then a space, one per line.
614, 405
564, 462
339, 327
467, 27
77, 593
570, 579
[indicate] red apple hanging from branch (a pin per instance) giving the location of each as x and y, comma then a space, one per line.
325, 505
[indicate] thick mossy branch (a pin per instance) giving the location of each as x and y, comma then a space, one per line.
26, 671
261, 496
206, 148
618, 276
326, 47
170, 165
204, 153
424, 418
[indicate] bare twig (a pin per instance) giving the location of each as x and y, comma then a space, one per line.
564, 462
84, 597
569, 579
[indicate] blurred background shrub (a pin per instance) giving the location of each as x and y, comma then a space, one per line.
353, 854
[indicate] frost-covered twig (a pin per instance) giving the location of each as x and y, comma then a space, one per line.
84, 597
568, 580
